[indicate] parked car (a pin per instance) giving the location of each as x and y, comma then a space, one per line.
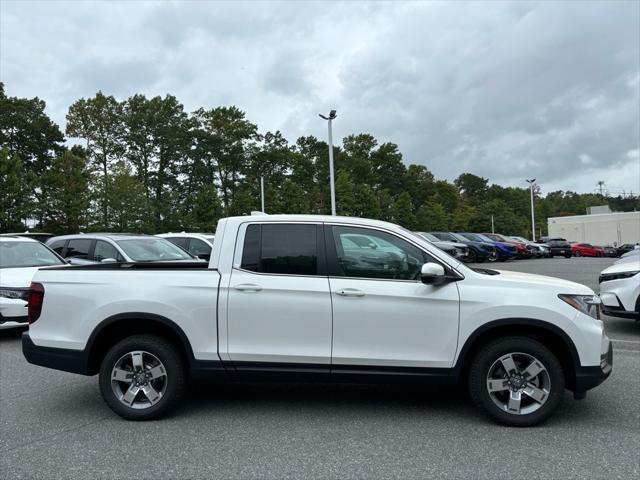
505, 251
478, 251
624, 248
20, 258
607, 251
584, 250
620, 289
92, 248
559, 247
455, 249
522, 250
197, 244
294, 296
631, 255
539, 250
39, 236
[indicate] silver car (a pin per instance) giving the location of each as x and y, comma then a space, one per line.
90, 248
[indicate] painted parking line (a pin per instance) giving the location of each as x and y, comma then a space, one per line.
624, 341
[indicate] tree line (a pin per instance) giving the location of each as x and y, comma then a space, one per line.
147, 165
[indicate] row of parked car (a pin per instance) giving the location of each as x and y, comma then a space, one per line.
492, 247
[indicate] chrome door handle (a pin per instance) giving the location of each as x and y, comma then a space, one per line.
248, 287
350, 292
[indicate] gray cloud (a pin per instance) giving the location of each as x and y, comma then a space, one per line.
504, 90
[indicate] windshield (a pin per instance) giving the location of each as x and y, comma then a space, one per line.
26, 254
152, 250
474, 237
459, 238
484, 238
428, 236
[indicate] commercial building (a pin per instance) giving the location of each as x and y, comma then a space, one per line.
615, 228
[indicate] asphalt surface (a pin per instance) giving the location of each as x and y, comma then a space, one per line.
55, 425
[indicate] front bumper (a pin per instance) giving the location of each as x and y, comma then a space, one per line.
12, 322
590, 377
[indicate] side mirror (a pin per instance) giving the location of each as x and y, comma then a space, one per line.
108, 260
432, 273
204, 256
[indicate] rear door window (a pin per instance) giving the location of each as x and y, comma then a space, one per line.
286, 249
78, 248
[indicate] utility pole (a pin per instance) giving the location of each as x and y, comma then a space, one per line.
492, 229
332, 116
262, 193
533, 219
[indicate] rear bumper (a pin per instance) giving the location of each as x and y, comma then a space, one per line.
590, 377
74, 361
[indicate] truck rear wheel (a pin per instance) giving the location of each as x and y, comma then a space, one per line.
517, 381
142, 377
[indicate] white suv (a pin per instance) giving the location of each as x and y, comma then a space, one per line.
620, 289
20, 258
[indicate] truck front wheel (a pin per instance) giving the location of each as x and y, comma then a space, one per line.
517, 381
142, 377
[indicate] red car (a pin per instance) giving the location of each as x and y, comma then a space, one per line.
584, 250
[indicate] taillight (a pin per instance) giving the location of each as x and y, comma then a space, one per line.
34, 306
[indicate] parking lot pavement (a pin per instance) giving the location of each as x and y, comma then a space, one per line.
55, 425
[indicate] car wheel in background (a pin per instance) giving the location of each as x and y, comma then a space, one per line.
471, 257
493, 257
577, 254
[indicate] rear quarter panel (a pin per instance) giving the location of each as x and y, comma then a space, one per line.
77, 301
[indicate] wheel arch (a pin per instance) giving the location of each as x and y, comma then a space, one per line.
118, 327
548, 334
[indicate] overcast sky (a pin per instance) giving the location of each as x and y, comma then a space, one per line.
506, 90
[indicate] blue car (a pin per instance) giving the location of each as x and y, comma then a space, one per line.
504, 250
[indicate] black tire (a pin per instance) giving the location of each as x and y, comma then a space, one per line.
503, 259
577, 254
567, 255
471, 257
175, 377
493, 352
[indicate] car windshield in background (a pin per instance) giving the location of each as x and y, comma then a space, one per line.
458, 237
26, 254
428, 236
474, 237
152, 250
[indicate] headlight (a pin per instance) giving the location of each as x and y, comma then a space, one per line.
587, 304
616, 276
14, 293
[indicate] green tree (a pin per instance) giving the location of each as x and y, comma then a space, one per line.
225, 141
403, 211
100, 122
65, 195
27, 132
431, 216
14, 196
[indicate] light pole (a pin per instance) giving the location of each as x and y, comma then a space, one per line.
533, 218
262, 193
332, 115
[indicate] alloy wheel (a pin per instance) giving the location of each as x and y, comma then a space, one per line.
518, 383
139, 379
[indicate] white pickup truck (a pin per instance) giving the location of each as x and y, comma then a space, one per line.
295, 296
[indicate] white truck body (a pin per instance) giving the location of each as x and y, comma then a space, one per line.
233, 319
